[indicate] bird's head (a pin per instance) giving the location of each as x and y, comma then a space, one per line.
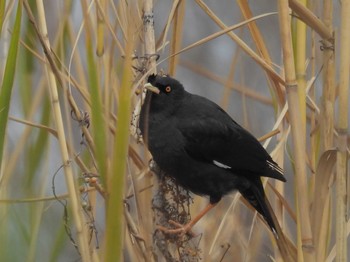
164, 87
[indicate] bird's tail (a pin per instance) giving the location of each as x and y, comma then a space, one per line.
256, 197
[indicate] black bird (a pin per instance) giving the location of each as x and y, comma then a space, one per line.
195, 141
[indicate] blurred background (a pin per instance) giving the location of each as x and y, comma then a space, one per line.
99, 53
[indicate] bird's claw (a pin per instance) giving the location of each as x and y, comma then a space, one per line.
180, 229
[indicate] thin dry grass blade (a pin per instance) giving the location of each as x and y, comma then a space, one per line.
244, 90
269, 135
284, 202
311, 20
164, 34
287, 249
321, 205
175, 44
29, 123
242, 44
223, 222
261, 46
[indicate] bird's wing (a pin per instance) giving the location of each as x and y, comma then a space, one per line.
213, 141
211, 136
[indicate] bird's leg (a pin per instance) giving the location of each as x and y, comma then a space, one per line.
183, 229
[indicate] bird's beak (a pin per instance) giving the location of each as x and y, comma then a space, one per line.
151, 88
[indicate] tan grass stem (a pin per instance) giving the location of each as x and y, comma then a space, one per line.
68, 171
305, 242
342, 128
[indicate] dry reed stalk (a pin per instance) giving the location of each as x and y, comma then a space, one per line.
328, 96
300, 66
313, 151
305, 242
176, 38
321, 212
311, 20
342, 129
148, 24
162, 39
147, 227
78, 219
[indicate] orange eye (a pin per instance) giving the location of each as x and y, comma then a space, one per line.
168, 89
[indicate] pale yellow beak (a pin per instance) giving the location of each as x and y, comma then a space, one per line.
151, 88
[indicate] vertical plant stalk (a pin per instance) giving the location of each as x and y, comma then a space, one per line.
8, 79
83, 242
300, 66
116, 182
305, 248
2, 13
100, 30
148, 25
177, 35
150, 49
342, 128
321, 226
97, 112
328, 96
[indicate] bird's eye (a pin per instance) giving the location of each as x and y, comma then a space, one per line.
168, 89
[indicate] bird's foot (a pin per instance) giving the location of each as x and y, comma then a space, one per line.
180, 229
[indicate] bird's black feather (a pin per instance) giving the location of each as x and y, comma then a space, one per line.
195, 141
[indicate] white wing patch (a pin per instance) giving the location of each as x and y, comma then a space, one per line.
221, 165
